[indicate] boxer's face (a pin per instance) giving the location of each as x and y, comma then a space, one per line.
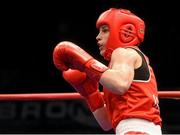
102, 38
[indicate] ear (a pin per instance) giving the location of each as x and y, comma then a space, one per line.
127, 33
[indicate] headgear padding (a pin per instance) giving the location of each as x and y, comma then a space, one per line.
126, 29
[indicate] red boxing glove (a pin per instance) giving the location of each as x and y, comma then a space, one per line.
86, 87
68, 55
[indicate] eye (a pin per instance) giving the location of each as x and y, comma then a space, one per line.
104, 28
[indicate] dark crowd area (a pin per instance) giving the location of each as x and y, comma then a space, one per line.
31, 29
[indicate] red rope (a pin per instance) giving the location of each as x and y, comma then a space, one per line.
70, 96
169, 94
41, 96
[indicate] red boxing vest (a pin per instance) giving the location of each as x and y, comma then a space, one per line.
140, 101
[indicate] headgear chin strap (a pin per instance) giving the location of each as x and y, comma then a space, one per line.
126, 29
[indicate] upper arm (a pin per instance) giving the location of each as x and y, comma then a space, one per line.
121, 73
123, 62
124, 57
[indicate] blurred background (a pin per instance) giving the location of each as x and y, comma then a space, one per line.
29, 32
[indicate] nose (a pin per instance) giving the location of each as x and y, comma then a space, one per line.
98, 37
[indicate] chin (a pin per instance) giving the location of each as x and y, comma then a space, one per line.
102, 53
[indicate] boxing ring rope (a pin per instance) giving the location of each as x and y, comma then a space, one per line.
70, 96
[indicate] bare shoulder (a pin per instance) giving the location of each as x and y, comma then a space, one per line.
125, 53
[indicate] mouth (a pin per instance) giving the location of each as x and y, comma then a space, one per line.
100, 47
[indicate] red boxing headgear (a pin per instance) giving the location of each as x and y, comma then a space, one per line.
126, 29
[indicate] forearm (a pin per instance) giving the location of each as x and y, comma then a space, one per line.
102, 118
